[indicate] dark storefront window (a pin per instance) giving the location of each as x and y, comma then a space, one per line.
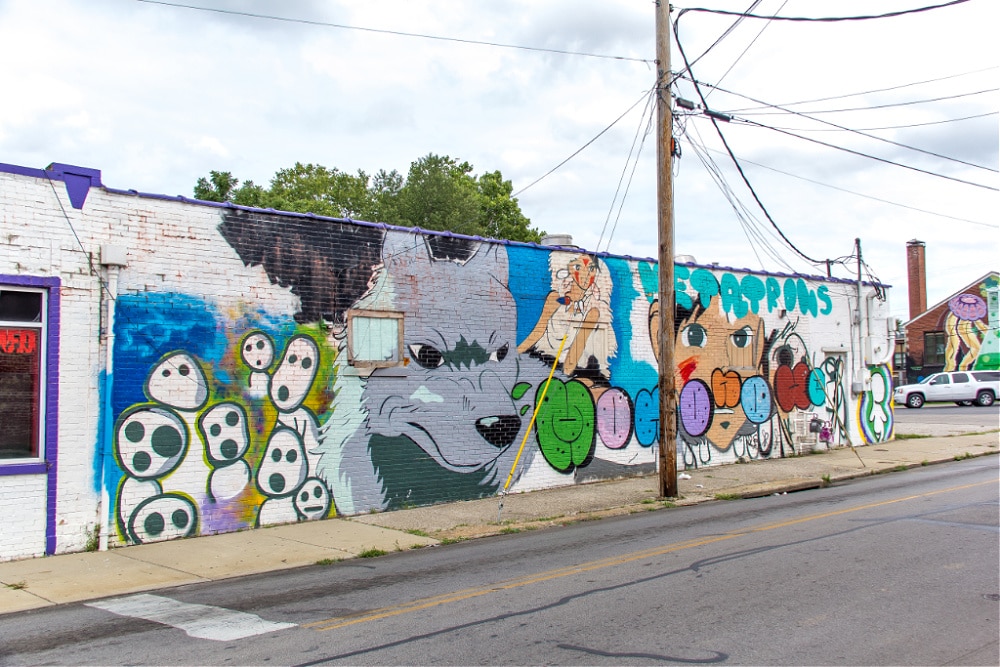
21, 368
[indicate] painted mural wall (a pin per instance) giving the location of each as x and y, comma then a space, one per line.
966, 327
408, 368
276, 367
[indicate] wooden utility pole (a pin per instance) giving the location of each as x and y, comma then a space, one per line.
665, 225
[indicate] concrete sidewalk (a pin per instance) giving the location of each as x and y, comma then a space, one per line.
40, 582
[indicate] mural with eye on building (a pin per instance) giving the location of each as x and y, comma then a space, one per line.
411, 365
971, 343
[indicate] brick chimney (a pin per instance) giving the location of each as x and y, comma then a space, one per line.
916, 272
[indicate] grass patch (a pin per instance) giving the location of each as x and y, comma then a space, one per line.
93, 539
509, 530
925, 462
727, 496
911, 436
550, 518
372, 553
17, 586
826, 480
648, 501
668, 505
453, 540
962, 457
417, 532
901, 468
328, 561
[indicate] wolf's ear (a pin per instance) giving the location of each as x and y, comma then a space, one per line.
491, 259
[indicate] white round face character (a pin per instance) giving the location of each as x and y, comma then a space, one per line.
312, 501
178, 381
283, 468
164, 517
257, 351
150, 442
224, 429
228, 482
295, 374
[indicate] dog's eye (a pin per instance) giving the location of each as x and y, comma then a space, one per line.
426, 355
501, 353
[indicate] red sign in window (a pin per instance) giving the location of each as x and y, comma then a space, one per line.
18, 341
19, 393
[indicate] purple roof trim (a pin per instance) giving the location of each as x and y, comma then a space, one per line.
25, 171
78, 180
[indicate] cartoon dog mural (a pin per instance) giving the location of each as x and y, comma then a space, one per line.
407, 447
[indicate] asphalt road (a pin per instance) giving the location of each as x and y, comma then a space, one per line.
946, 419
894, 569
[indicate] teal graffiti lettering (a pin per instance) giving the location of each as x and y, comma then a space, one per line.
752, 288
790, 293
706, 285
731, 298
807, 299
681, 296
773, 294
821, 292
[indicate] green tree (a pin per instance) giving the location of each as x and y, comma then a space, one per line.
501, 215
439, 193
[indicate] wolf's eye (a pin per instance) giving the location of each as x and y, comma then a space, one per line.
501, 353
742, 337
426, 355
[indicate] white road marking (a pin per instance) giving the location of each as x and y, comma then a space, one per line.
197, 620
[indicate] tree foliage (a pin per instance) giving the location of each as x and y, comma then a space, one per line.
438, 193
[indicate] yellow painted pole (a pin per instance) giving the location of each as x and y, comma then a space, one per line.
534, 415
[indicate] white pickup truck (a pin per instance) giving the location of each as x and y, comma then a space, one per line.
960, 387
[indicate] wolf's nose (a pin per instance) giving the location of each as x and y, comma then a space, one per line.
500, 430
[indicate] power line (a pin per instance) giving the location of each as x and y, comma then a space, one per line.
825, 19
895, 127
732, 156
744, 52
726, 33
876, 90
397, 33
581, 149
859, 153
847, 129
878, 106
859, 194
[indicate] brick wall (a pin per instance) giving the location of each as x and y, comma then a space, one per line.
271, 368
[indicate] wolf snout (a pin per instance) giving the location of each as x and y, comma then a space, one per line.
499, 430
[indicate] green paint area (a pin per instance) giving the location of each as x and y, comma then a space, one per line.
412, 478
565, 425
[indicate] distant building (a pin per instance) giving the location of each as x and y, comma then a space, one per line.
959, 333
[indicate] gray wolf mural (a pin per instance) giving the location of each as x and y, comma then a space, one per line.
393, 438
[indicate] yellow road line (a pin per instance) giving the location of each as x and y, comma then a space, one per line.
548, 575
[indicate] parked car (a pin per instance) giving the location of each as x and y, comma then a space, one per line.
960, 387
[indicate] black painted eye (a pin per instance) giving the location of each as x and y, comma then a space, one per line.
426, 355
501, 353
742, 337
694, 335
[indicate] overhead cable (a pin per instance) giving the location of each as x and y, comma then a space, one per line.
397, 33
581, 148
847, 129
732, 156
860, 194
876, 90
860, 154
824, 19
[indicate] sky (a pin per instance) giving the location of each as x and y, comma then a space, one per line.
156, 96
